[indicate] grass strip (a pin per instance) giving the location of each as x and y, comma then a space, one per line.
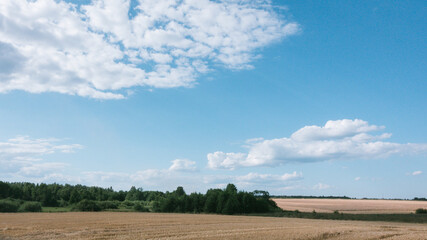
386, 217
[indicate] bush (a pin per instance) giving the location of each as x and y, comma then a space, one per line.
139, 207
30, 207
62, 203
88, 206
127, 204
8, 206
421, 211
109, 204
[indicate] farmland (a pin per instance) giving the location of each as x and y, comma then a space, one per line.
120, 225
359, 206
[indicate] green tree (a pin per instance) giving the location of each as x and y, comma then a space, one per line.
248, 203
231, 188
211, 202
179, 191
231, 205
75, 196
132, 194
4, 190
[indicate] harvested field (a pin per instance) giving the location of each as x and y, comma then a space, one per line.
350, 205
109, 225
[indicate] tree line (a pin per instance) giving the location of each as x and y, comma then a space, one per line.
311, 197
32, 197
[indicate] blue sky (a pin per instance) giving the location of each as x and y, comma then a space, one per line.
292, 97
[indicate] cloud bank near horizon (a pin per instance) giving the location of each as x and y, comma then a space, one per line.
23, 158
101, 49
336, 140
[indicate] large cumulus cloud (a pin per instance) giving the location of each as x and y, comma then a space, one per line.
339, 139
100, 49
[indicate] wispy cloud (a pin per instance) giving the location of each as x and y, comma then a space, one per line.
415, 173
182, 172
166, 179
22, 157
321, 186
255, 180
340, 139
41, 169
183, 165
23, 148
100, 49
267, 178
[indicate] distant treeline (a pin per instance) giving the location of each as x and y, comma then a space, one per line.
301, 196
32, 197
420, 199
341, 197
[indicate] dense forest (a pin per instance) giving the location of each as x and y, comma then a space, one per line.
24, 197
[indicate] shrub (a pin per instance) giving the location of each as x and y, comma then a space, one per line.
139, 207
127, 204
88, 206
8, 206
421, 211
62, 203
30, 207
109, 204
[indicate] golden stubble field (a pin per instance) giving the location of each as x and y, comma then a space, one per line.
350, 205
116, 225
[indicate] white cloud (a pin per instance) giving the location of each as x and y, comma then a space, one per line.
22, 147
154, 179
334, 129
218, 160
266, 178
356, 178
183, 165
321, 186
340, 139
41, 169
22, 157
416, 173
289, 188
254, 140
160, 179
97, 50
167, 179
255, 180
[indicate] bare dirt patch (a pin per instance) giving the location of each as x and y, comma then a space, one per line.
350, 205
108, 225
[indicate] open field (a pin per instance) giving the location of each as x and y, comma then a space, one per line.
350, 205
108, 225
